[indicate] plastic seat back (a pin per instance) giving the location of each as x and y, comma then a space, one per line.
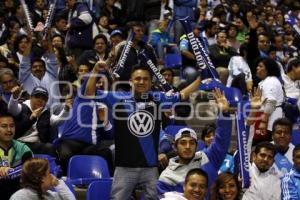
99, 190
173, 60
84, 169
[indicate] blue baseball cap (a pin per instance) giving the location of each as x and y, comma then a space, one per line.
116, 32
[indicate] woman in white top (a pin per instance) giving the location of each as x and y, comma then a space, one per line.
272, 94
37, 181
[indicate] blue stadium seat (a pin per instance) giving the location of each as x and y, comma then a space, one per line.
173, 60
99, 190
54, 168
84, 169
233, 95
296, 137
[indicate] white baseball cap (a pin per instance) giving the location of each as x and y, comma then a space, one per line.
186, 132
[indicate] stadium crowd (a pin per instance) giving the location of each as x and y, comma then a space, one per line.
75, 85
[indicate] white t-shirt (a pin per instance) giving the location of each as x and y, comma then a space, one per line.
272, 90
237, 65
292, 88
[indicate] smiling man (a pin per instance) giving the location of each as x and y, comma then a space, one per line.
265, 184
282, 136
12, 153
210, 160
137, 128
195, 187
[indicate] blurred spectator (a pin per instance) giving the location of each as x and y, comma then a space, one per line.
13, 154
183, 9
4, 32
289, 182
40, 72
138, 45
37, 12
60, 25
103, 26
113, 13
35, 120
239, 72
161, 41
37, 183
81, 27
242, 29
291, 79
99, 52
221, 52
231, 31
210, 30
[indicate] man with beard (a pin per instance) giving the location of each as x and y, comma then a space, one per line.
265, 184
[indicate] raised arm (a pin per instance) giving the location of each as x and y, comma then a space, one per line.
50, 58
92, 79
25, 77
185, 92
218, 149
13, 106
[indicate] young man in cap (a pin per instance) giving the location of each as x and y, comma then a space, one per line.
172, 178
34, 119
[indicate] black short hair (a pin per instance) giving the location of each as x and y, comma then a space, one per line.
5, 114
37, 59
208, 24
266, 145
229, 26
141, 67
283, 122
210, 128
163, 70
18, 40
58, 35
198, 171
293, 63
100, 36
271, 66
243, 49
297, 148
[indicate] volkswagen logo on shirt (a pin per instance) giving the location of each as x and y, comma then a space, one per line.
141, 123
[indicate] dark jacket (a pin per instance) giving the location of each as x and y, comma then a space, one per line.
24, 124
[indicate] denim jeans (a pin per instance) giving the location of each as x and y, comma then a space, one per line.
126, 179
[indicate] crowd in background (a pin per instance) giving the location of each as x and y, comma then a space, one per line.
47, 80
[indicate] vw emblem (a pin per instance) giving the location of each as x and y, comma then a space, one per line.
141, 123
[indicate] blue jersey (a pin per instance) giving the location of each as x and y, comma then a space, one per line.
84, 124
137, 125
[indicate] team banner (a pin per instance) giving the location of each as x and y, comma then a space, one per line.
49, 18
243, 153
121, 62
143, 56
13, 173
27, 15
203, 61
